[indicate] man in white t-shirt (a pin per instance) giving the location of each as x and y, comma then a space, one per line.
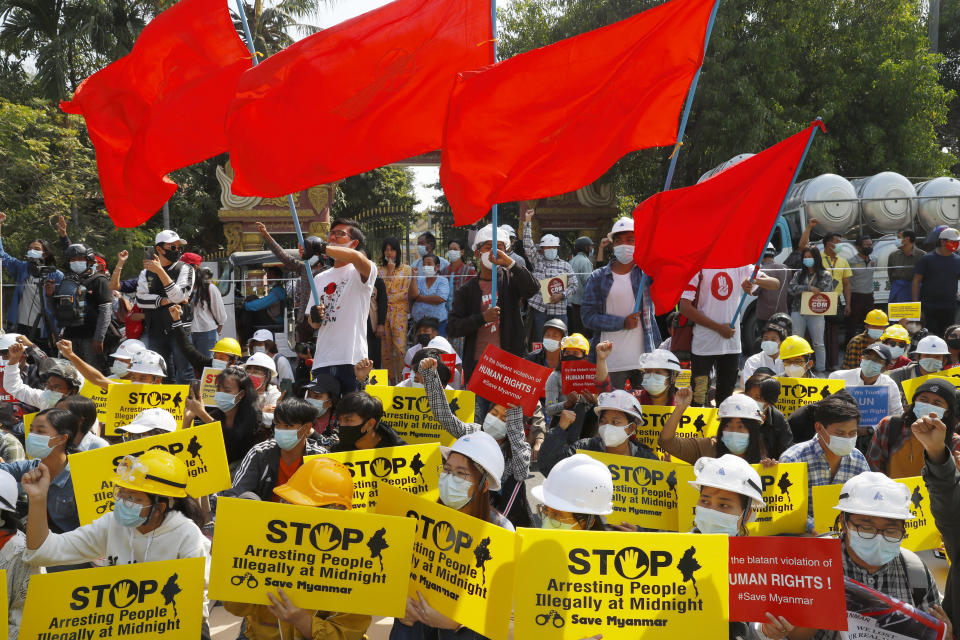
344, 292
715, 342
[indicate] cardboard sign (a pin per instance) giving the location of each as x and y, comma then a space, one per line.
922, 533
899, 310
378, 378
462, 566
346, 561
578, 375
872, 402
503, 378
413, 468
98, 394
872, 615
910, 385
552, 286
208, 385
577, 584
683, 379
696, 423
126, 401
201, 449
799, 579
645, 492
799, 392
784, 492
407, 410
153, 600
818, 304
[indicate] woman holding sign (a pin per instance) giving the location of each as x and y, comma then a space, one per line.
576, 495
812, 278
237, 411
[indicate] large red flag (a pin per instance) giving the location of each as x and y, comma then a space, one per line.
721, 222
554, 119
365, 93
161, 107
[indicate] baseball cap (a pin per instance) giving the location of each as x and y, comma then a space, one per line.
191, 258
770, 250
168, 237
324, 383
881, 350
152, 419
950, 235
262, 335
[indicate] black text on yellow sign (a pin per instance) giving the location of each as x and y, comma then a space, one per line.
201, 449
576, 584
784, 493
345, 561
151, 600
695, 423
408, 412
462, 566
799, 392
645, 492
98, 394
413, 468
126, 401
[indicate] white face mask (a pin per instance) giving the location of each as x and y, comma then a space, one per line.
896, 352
453, 255
119, 369
550, 344
258, 350
218, 364
550, 254
770, 347
613, 435
931, 364
795, 370
736, 441
485, 260
923, 409
623, 253
428, 270
840, 446
655, 383
708, 520
454, 490
495, 427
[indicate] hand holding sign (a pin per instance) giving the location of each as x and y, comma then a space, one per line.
286, 611
427, 364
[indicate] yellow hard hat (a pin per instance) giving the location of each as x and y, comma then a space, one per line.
319, 482
876, 318
156, 471
228, 346
793, 347
896, 332
575, 341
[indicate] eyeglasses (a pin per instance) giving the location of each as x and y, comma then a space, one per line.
339, 233
560, 516
868, 532
463, 474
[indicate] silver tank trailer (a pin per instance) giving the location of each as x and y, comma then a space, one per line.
829, 198
726, 165
886, 201
938, 202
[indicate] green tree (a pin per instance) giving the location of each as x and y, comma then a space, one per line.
272, 25
384, 187
950, 72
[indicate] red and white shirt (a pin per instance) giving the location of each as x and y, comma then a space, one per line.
720, 293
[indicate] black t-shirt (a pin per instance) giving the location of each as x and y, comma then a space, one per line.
98, 292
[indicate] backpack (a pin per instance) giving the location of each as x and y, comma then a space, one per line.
916, 576
70, 302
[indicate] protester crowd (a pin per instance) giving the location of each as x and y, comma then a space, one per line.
427, 320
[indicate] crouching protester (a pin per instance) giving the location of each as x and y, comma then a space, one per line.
327, 484
472, 468
576, 495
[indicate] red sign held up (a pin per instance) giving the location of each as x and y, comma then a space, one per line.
450, 360
577, 376
503, 378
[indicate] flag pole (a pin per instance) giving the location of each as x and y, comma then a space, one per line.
493, 210
756, 267
290, 202
645, 280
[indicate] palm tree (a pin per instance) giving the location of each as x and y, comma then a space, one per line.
272, 25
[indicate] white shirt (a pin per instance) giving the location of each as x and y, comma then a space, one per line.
342, 338
208, 318
628, 344
758, 360
284, 370
851, 378
720, 294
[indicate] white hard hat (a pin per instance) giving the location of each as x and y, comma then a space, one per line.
660, 359
549, 240
619, 400
442, 344
150, 419
578, 484
931, 345
7, 339
740, 405
950, 235
261, 360
8, 491
128, 348
148, 363
507, 230
730, 473
874, 494
168, 237
486, 235
621, 225
483, 449
262, 335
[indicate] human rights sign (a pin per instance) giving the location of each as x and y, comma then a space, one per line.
346, 561
126, 401
798, 392
695, 423
645, 492
413, 468
201, 449
407, 410
462, 566
784, 492
506, 379
576, 584
153, 600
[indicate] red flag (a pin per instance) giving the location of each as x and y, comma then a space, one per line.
365, 93
161, 107
719, 223
554, 119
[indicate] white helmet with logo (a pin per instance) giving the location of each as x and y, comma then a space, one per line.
660, 359
621, 225
619, 400
740, 405
148, 363
483, 450
261, 360
932, 346
731, 473
128, 348
874, 494
578, 484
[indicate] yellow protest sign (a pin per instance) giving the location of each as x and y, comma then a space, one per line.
157, 599
645, 492
461, 565
27, 421
408, 412
413, 468
126, 401
910, 385
898, 310
98, 394
201, 449
683, 379
208, 385
4, 613
378, 378
798, 392
347, 561
577, 584
921, 535
784, 492
695, 423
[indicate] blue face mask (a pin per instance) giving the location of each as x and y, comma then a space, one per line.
319, 404
49, 398
870, 369
422, 250
34, 254
876, 552
808, 262
623, 253
225, 401
923, 409
38, 446
931, 365
875, 333
286, 439
127, 514
78, 267
453, 255
550, 254
735, 441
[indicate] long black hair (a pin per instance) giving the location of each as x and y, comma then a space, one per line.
82, 407
818, 267
48, 257
756, 450
201, 292
63, 422
394, 244
188, 506
250, 400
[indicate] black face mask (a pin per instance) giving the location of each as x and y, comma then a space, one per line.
172, 253
953, 343
349, 436
423, 339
